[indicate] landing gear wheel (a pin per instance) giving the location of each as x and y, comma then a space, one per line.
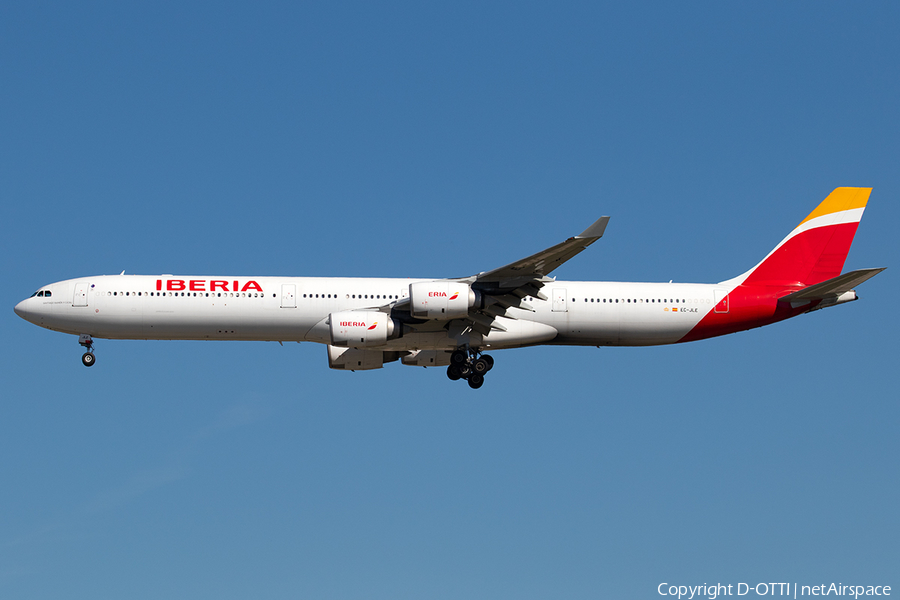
489, 359
87, 359
454, 372
465, 371
459, 358
481, 366
476, 380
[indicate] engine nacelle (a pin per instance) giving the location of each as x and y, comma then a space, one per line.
440, 299
354, 359
427, 358
360, 328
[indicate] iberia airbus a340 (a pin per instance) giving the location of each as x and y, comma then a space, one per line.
365, 323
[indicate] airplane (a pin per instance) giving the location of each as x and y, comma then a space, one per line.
367, 322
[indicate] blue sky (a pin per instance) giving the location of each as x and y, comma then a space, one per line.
438, 140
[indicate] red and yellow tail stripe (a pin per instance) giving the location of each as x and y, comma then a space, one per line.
841, 200
816, 249
813, 252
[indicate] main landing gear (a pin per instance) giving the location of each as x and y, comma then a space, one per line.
469, 366
87, 359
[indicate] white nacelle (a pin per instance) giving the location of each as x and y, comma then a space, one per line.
354, 359
360, 328
440, 299
427, 358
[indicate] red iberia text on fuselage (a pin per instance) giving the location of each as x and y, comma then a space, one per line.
206, 285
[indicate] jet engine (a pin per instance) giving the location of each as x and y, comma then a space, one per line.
354, 359
360, 328
440, 299
427, 358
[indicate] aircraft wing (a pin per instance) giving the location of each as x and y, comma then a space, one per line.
538, 265
509, 285
833, 287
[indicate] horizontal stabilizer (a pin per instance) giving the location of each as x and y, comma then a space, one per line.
832, 287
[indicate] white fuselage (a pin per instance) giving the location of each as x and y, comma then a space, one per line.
297, 309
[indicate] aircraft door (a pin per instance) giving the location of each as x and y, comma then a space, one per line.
288, 295
81, 292
721, 299
559, 300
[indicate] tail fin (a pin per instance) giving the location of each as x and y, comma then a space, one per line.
817, 248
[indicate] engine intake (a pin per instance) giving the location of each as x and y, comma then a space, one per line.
440, 299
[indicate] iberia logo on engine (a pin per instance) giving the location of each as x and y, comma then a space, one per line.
443, 295
359, 324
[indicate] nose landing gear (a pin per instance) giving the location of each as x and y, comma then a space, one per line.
87, 359
466, 364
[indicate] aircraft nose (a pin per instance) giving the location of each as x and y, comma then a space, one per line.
23, 311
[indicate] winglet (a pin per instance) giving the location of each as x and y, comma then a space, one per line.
596, 230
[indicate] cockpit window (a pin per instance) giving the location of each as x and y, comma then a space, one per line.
40, 294
47, 294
